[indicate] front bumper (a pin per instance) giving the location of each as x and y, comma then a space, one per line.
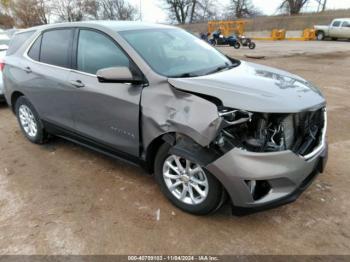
287, 174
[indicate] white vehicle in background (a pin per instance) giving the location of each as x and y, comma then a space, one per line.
339, 28
4, 44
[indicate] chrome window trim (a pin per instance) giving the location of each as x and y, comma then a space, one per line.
26, 56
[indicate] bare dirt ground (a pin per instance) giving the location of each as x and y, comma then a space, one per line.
64, 199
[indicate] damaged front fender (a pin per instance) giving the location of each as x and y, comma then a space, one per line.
167, 110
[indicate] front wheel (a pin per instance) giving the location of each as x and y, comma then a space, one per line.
320, 36
186, 184
252, 45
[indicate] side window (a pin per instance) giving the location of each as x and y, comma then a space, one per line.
55, 47
34, 51
97, 51
346, 24
17, 41
336, 24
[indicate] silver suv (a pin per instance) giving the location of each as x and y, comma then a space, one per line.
208, 126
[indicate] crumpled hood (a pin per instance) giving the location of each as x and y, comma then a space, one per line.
255, 88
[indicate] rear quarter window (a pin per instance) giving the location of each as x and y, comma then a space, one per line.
34, 51
17, 41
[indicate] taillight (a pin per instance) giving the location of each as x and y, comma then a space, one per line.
2, 64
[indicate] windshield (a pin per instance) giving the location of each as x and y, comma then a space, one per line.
176, 53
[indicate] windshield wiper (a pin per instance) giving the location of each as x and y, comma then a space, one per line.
220, 68
184, 75
217, 69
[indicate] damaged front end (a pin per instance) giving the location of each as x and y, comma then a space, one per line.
263, 132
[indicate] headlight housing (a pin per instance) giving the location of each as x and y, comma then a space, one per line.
264, 132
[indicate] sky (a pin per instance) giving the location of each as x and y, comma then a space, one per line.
153, 10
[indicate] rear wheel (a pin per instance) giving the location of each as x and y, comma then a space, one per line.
320, 35
236, 45
186, 184
29, 121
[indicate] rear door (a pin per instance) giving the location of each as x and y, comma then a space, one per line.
345, 30
105, 112
45, 74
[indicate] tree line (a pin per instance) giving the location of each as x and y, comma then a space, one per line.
189, 11
27, 13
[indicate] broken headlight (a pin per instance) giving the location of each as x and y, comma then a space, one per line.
255, 132
263, 132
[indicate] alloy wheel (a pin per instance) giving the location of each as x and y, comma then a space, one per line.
28, 121
186, 180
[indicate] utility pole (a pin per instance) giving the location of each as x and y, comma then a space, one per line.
140, 11
324, 6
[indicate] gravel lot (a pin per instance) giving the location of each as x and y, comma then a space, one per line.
64, 199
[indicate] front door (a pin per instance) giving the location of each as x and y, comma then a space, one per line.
335, 29
105, 112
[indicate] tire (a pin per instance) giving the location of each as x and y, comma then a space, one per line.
252, 45
205, 205
320, 36
29, 121
334, 38
236, 45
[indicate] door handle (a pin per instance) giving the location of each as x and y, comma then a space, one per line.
77, 83
27, 69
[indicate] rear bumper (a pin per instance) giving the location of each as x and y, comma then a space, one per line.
287, 174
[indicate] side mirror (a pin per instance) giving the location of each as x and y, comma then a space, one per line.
120, 74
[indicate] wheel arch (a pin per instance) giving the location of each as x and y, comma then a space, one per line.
14, 97
321, 31
182, 145
152, 149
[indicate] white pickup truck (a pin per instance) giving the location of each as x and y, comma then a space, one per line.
339, 28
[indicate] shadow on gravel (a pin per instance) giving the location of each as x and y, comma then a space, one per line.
3, 105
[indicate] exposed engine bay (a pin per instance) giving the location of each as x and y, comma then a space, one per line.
262, 132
